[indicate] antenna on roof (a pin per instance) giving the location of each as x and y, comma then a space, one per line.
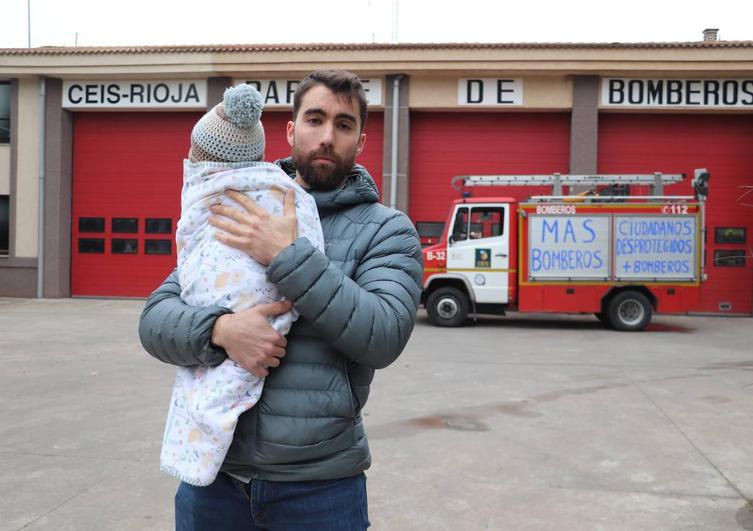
395, 9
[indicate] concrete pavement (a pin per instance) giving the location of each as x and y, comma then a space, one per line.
521, 423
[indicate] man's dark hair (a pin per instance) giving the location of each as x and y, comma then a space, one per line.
341, 82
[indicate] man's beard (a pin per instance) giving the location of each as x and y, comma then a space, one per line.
322, 178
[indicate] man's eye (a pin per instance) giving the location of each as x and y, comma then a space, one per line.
345, 126
314, 121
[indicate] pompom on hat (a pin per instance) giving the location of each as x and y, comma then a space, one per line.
231, 131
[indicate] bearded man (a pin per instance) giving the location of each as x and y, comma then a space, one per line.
298, 457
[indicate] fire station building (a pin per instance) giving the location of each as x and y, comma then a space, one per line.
92, 140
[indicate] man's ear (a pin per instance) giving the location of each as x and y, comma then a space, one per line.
361, 143
290, 133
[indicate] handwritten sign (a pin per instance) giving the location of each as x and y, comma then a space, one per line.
568, 247
652, 247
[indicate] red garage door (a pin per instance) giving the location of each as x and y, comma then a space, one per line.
634, 143
444, 145
127, 177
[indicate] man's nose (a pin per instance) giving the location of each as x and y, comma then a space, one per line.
327, 135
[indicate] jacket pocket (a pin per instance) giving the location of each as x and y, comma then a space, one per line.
354, 406
353, 401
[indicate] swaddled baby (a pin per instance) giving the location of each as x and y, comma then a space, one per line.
227, 145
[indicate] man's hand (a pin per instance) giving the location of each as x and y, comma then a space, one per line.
255, 231
249, 339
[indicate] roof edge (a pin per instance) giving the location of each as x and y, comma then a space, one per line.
246, 48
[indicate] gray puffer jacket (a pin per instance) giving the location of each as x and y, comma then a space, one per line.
358, 307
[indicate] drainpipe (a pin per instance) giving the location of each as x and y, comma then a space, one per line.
40, 214
395, 127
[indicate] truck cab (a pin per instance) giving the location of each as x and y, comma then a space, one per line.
472, 268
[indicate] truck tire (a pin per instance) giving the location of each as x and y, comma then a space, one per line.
629, 311
447, 307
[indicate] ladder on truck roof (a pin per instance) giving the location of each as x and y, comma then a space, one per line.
558, 180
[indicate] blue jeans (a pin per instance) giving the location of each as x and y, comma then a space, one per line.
229, 504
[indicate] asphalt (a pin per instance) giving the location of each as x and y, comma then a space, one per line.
521, 423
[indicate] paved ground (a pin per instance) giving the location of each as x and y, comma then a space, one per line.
521, 423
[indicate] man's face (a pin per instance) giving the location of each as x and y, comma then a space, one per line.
326, 138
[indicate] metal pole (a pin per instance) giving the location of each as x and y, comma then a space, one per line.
40, 214
28, 23
395, 128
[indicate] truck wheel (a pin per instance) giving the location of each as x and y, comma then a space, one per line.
629, 311
447, 307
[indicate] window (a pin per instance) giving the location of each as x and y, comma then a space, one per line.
4, 224
124, 246
125, 225
429, 229
477, 230
158, 246
460, 227
729, 235
91, 245
487, 222
91, 224
159, 226
429, 232
4, 113
729, 258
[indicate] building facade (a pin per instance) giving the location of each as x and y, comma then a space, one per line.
92, 140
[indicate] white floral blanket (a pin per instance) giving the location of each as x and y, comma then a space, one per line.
207, 401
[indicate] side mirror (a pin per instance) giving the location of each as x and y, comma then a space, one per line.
701, 183
451, 240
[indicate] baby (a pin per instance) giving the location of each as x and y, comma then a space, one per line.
227, 145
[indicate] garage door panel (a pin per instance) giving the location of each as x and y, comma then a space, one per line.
641, 143
126, 165
444, 145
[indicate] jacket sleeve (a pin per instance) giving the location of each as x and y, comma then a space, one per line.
176, 333
370, 317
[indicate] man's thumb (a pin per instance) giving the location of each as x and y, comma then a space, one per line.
274, 308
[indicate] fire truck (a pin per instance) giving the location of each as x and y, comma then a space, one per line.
603, 251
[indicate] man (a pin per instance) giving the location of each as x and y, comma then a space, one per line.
298, 456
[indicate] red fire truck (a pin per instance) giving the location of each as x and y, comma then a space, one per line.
621, 257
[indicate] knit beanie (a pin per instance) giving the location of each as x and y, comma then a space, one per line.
231, 131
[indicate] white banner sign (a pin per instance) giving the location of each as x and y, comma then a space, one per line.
135, 94
650, 247
702, 93
279, 92
561, 247
490, 91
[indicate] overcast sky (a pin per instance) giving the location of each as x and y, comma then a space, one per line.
134, 22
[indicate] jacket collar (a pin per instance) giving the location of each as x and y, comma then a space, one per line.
358, 188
